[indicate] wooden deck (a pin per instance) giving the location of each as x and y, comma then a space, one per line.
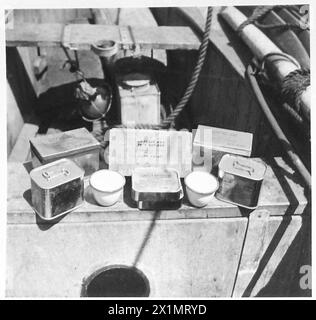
81, 36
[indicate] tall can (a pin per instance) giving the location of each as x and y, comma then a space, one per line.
57, 188
240, 180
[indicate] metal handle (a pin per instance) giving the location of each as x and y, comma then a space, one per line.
239, 166
49, 175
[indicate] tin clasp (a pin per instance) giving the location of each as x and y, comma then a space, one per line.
239, 166
49, 175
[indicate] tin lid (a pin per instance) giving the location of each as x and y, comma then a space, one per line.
63, 144
243, 167
224, 139
56, 173
156, 184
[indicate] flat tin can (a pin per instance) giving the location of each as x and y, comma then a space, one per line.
211, 144
161, 205
57, 188
155, 184
240, 180
79, 145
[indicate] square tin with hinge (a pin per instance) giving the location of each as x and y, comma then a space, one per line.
139, 99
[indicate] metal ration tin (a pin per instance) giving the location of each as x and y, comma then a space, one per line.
161, 205
139, 100
78, 145
57, 188
156, 188
210, 144
240, 180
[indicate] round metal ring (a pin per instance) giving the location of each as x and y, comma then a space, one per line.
105, 48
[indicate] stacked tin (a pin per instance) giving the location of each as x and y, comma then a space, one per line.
78, 145
60, 162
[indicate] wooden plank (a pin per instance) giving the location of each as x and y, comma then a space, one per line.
81, 36
169, 253
131, 17
35, 35
21, 149
267, 265
49, 15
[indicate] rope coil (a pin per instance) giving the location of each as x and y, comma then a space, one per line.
293, 85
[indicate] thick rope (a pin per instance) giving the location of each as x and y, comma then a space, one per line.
195, 76
258, 13
293, 85
276, 128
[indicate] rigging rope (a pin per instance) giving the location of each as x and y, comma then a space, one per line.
259, 12
195, 76
293, 85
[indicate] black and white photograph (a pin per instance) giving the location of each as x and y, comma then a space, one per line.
158, 152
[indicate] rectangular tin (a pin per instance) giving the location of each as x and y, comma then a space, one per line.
78, 145
211, 144
138, 148
140, 106
57, 188
240, 180
154, 188
161, 205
